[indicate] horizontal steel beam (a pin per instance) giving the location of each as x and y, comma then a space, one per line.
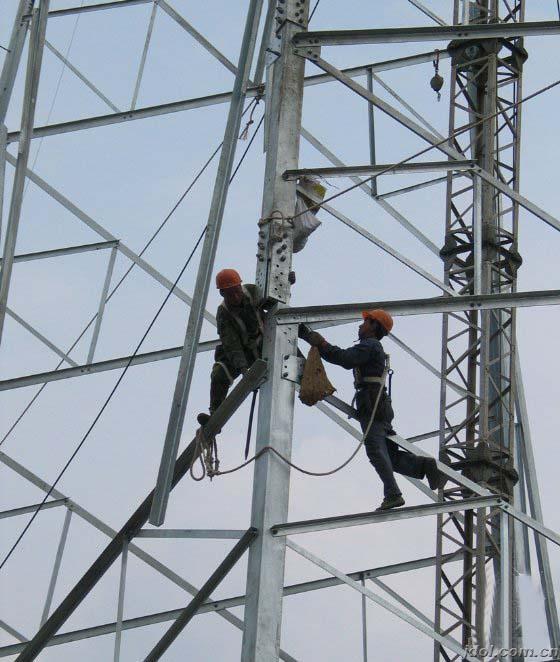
376, 67
210, 100
106, 530
385, 169
426, 33
138, 519
100, 366
70, 250
359, 519
420, 625
237, 601
128, 115
429, 306
70, 11
14, 512
103, 232
218, 534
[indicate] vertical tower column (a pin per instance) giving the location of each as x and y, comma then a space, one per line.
265, 576
480, 255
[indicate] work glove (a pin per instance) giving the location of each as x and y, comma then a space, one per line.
312, 337
304, 331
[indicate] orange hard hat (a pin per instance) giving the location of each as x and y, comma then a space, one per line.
227, 278
381, 316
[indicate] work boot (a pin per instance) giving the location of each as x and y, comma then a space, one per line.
202, 419
436, 479
391, 502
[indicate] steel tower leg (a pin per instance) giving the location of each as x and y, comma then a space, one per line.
13, 57
34, 60
265, 576
535, 507
480, 255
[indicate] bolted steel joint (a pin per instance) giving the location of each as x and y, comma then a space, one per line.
308, 52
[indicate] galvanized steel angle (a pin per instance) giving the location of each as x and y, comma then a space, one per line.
292, 368
396, 611
308, 52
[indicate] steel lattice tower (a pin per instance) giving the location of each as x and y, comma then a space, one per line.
479, 348
483, 520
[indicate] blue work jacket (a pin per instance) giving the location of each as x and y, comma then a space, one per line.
367, 359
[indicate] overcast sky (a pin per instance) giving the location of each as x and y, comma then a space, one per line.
127, 177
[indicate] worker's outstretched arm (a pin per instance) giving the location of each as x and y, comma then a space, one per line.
365, 351
353, 357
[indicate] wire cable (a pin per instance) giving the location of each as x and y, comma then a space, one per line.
447, 139
119, 380
206, 451
313, 10
127, 272
107, 400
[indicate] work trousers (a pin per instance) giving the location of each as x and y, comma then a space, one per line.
387, 457
219, 384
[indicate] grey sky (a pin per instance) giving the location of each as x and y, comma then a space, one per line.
127, 177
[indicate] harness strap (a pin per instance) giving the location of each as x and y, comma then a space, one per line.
360, 380
373, 380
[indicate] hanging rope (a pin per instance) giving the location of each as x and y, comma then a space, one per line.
206, 451
245, 133
211, 466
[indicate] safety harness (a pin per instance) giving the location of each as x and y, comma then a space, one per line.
361, 380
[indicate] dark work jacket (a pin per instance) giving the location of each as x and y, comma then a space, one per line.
369, 358
240, 331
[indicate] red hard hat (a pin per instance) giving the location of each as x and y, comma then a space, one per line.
381, 316
227, 278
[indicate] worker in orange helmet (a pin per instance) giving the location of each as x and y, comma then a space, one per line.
368, 361
240, 327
